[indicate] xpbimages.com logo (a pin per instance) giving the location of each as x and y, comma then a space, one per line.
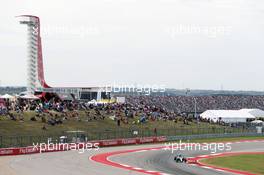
144, 89
80, 147
187, 146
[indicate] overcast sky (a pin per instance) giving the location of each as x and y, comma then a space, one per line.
197, 44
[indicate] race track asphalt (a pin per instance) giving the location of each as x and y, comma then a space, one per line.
74, 163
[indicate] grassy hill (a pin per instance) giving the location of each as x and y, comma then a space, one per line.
27, 127
23, 130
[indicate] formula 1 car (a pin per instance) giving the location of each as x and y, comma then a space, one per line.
180, 159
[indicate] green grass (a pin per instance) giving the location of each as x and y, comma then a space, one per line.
28, 127
253, 163
227, 139
23, 133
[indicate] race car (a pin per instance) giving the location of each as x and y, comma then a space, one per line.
180, 159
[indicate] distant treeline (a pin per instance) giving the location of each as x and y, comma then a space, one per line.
184, 92
169, 92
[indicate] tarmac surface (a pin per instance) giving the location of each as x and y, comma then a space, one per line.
75, 163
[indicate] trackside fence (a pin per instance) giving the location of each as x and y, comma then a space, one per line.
85, 136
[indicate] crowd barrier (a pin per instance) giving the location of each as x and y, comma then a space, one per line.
209, 136
101, 143
85, 136
120, 142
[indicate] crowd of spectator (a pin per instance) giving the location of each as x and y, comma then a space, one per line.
138, 109
185, 104
64, 110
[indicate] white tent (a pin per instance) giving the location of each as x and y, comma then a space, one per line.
30, 97
7, 96
121, 99
257, 122
258, 113
227, 116
94, 102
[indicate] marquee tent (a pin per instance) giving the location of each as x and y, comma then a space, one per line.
258, 113
29, 97
7, 96
227, 116
257, 122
